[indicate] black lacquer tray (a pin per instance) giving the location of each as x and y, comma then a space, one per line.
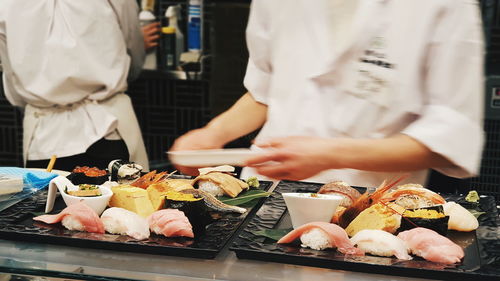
481, 247
16, 223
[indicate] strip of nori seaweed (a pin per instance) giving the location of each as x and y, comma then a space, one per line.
76, 178
195, 211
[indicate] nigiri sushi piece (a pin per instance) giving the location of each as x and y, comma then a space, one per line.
218, 184
413, 196
124, 222
171, 223
343, 189
322, 235
381, 243
432, 246
460, 218
76, 217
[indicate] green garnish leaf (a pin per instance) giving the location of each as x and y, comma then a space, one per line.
274, 234
476, 213
245, 197
36, 214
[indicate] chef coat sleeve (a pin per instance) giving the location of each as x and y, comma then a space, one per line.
259, 70
451, 122
10, 94
127, 12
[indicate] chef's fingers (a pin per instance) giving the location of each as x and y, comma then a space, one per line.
154, 38
151, 31
154, 25
152, 44
278, 172
275, 156
275, 142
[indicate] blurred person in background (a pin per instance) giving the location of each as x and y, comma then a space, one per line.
67, 63
358, 91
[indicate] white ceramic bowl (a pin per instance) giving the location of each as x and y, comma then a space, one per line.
97, 203
304, 208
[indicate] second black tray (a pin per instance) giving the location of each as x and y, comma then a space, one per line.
482, 247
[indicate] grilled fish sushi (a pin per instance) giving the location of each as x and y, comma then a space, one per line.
214, 204
341, 188
218, 184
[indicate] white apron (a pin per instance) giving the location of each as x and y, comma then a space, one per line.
116, 111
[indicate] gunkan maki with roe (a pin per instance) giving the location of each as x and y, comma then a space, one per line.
88, 175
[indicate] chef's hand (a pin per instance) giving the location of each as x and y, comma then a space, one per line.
293, 158
151, 35
198, 139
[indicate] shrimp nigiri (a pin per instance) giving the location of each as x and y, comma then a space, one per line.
365, 201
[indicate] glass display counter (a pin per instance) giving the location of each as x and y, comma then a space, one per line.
22, 258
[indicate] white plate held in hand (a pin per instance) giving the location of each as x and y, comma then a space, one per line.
212, 157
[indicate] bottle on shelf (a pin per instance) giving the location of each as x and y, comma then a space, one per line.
173, 14
194, 26
167, 57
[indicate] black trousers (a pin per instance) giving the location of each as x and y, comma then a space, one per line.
98, 155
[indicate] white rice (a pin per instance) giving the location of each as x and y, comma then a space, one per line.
315, 239
113, 226
210, 187
156, 229
72, 224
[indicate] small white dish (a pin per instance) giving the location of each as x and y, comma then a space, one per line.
212, 157
97, 203
57, 172
311, 207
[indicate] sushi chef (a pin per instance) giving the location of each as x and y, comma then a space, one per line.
67, 63
358, 91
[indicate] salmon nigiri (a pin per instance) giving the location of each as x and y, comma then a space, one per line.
171, 223
322, 235
75, 217
432, 246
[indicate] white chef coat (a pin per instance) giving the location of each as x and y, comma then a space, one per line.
411, 67
67, 62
